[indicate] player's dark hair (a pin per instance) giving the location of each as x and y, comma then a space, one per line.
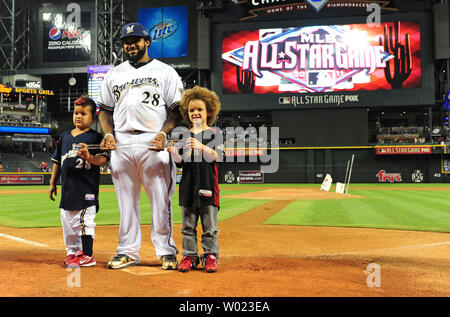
84, 101
210, 99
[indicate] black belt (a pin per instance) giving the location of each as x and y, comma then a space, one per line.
135, 132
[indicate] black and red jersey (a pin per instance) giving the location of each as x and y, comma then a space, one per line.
199, 184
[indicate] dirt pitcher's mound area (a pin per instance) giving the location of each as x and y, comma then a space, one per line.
291, 194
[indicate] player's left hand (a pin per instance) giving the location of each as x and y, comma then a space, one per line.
159, 142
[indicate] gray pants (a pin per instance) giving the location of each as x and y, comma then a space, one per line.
208, 217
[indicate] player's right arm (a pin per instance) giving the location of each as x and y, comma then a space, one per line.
56, 172
105, 115
105, 119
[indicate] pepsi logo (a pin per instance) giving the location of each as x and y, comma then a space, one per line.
163, 29
54, 33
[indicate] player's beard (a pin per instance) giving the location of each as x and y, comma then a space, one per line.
138, 56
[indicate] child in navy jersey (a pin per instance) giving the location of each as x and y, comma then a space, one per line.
79, 169
199, 187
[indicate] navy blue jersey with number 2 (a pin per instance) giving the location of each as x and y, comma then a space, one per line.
79, 180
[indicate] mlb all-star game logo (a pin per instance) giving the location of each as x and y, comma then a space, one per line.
311, 58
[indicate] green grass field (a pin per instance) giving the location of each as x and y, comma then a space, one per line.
423, 207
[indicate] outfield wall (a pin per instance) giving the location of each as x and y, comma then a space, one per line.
310, 165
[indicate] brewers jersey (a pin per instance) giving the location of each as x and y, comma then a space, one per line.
79, 180
142, 97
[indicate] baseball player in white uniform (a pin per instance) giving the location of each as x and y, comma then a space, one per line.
138, 109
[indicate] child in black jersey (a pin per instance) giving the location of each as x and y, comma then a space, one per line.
199, 187
80, 181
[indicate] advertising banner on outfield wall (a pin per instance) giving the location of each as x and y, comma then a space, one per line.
251, 177
15, 179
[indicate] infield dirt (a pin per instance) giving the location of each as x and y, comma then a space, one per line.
256, 260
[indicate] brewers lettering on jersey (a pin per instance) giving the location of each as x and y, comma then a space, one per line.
136, 83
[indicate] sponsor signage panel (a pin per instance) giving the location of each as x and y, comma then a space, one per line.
65, 39
254, 9
385, 177
243, 152
21, 179
445, 165
397, 150
251, 177
168, 29
96, 75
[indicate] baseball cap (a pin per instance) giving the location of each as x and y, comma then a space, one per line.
133, 29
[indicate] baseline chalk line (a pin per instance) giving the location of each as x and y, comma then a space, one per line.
37, 244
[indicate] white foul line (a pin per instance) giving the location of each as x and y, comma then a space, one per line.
22, 240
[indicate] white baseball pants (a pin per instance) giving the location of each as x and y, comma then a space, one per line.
76, 223
134, 165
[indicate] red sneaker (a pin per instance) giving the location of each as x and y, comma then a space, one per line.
187, 263
69, 258
81, 259
211, 263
